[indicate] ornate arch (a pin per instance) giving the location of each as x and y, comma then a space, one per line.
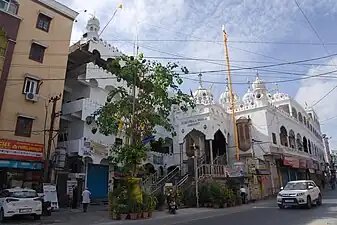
284, 136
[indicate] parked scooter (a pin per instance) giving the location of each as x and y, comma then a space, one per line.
173, 207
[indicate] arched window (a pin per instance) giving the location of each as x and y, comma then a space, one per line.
300, 118
305, 144
304, 120
292, 139
299, 142
284, 136
309, 146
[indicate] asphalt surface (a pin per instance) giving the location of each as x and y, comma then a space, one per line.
260, 213
270, 214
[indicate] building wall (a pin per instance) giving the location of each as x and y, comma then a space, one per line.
9, 26
53, 67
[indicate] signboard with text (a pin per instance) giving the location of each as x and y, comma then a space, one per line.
18, 150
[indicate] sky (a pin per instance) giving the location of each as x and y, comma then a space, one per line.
260, 32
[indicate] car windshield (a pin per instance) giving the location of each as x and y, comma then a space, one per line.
23, 194
296, 186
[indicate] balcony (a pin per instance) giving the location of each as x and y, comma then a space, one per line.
72, 146
81, 108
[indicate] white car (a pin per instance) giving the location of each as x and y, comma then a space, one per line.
299, 193
20, 201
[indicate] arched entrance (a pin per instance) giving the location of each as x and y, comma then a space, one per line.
219, 147
149, 169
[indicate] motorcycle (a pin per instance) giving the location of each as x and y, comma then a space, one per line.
173, 207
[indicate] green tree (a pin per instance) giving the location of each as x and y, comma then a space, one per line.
137, 115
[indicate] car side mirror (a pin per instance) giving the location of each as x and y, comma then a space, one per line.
311, 187
281, 188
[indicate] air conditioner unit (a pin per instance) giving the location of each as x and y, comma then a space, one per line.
31, 97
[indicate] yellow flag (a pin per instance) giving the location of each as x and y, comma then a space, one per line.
120, 6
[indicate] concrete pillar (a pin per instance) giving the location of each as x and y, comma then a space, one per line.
211, 154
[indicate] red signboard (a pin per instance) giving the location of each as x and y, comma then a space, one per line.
18, 150
303, 163
290, 161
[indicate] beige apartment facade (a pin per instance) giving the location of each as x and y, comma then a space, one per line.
36, 73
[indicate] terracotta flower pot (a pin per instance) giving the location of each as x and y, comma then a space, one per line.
145, 215
150, 214
133, 216
123, 216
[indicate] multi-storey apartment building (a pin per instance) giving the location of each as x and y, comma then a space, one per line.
34, 41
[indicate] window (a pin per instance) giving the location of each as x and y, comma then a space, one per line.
43, 22
24, 126
30, 86
37, 52
8, 6
274, 138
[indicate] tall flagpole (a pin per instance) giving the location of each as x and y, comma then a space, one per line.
231, 95
113, 15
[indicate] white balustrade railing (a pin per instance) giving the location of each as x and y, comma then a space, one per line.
212, 170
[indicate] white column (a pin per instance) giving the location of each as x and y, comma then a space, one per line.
211, 154
181, 153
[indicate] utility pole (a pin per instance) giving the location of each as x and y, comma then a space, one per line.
53, 116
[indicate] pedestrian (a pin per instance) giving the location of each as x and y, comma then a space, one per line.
323, 183
74, 197
243, 193
86, 199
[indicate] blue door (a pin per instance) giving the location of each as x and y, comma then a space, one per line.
98, 176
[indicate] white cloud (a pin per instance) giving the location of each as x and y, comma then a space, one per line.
312, 90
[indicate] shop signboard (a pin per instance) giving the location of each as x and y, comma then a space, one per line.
303, 163
290, 161
18, 150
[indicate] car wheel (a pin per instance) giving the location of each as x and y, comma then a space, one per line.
37, 217
309, 202
281, 206
319, 200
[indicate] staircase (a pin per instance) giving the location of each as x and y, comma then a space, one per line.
159, 184
217, 170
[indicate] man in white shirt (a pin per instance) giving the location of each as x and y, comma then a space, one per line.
243, 193
86, 199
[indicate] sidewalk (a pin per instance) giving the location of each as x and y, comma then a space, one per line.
98, 215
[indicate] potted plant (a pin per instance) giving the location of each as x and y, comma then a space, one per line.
152, 203
145, 206
122, 211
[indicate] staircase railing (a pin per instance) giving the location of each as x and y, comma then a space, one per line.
182, 180
153, 178
162, 181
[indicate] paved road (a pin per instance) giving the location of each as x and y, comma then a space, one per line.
261, 213
270, 214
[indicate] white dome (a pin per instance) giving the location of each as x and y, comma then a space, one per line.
93, 21
203, 96
225, 97
258, 83
248, 97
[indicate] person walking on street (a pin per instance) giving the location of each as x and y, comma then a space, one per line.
243, 193
86, 199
